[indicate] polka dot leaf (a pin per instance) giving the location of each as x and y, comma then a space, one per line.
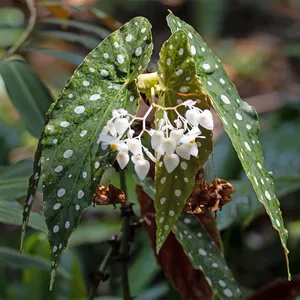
179, 82
205, 256
240, 122
72, 164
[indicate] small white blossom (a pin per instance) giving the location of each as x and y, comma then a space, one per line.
122, 159
156, 139
121, 125
134, 146
192, 115
172, 141
206, 120
171, 161
168, 145
142, 168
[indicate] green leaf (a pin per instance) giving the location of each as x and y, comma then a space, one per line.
244, 206
11, 17
205, 256
97, 30
11, 213
28, 93
71, 164
9, 36
12, 257
71, 57
22, 168
240, 122
86, 41
14, 180
94, 233
179, 82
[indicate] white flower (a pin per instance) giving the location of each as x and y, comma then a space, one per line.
122, 159
111, 127
134, 146
142, 168
206, 120
168, 145
178, 123
194, 133
121, 146
186, 150
121, 112
171, 161
189, 103
121, 125
176, 135
192, 115
135, 158
156, 139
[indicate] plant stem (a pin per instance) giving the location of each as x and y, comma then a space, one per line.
127, 212
102, 273
31, 23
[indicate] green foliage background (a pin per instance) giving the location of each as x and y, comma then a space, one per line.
56, 47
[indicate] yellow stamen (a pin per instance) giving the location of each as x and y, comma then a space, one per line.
192, 141
113, 146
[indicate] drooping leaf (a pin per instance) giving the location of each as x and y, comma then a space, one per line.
14, 180
20, 169
11, 213
204, 255
71, 57
94, 233
86, 41
28, 93
244, 206
189, 281
240, 122
179, 82
72, 166
12, 257
32, 188
97, 30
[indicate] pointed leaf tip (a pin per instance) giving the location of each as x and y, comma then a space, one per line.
72, 164
240, 122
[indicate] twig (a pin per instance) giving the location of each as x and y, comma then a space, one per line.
31, 23
127, 212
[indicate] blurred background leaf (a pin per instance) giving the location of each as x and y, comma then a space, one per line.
258, 43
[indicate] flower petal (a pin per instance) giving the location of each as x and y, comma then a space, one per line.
103, 137
193, 148
156, 139
122, 159
192, 115
134, 146
171, 162
168, 145
176, 135
121, 125
206, 120
184, 151
142, 168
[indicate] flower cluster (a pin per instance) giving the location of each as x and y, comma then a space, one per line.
171, 141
